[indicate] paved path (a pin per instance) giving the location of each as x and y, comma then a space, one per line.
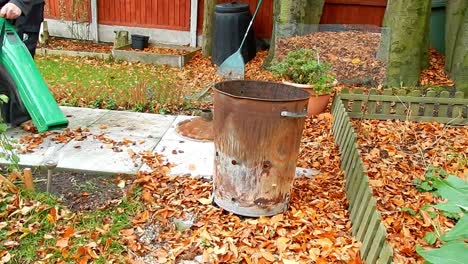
149, 132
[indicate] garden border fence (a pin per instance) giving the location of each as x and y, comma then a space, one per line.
366, 221
367, 226
412, 106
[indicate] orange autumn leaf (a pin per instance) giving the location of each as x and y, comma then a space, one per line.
141, 217
68, 232
268, 256
52, 216
147, 196
62, 243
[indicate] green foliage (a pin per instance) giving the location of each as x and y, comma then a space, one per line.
303, 66
7, 149
409, 211
454, 190
455, 252
459, 232
430, 238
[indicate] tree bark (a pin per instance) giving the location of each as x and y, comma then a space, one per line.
208, 13
456, 42
409, 23
293, 17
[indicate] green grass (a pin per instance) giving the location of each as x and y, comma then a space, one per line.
110, 84
26, 252
85, 223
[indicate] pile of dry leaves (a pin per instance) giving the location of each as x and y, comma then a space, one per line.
435, 74
180, 222
77, 45
352, 54
397, 152
199, 72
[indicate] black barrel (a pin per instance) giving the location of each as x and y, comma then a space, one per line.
230, 24
139, 42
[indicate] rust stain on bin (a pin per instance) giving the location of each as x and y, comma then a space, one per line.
256, 147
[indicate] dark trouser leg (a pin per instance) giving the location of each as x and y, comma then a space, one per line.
14, 111
30, 40
28, 27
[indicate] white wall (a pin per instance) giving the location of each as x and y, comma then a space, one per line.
106, 33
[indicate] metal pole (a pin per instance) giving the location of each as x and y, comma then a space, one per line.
193, 22
94, 20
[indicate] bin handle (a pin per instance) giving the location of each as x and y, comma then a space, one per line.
293, 114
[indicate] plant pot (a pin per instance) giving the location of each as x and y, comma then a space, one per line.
317, 103
139, 42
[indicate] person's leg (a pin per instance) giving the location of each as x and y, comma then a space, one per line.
30, 40
28, 27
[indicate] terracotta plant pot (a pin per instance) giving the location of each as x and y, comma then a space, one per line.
317, 103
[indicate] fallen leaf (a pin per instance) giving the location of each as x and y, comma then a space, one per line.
281, 243
68, 232
52, 216
356, 61
62, 243
276, 219
5, 258
206, 201
268, 256
287, 261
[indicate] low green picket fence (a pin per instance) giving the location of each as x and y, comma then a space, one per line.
412, 106
367, 225
366, 221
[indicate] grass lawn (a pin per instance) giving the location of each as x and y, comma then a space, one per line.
52, 233
110, 84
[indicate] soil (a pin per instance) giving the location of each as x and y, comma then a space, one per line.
81, 191
77, 45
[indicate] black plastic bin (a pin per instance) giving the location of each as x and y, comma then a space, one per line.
230, 24
139, 42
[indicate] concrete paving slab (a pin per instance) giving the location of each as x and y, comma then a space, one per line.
189, 157
35, 158
93, 155
171, 133
195, 158
134, 124
82, 117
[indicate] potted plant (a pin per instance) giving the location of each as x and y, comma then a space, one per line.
302, 68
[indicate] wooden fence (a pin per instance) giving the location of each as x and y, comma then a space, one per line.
175, 14
440, 107
366, 221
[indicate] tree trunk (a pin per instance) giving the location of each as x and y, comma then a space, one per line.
427, 40
208, 13
456, 39
313, 12
406, 18
293, 17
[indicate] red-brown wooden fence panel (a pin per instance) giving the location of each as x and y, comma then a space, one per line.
164, 14
175, 14
78, 10
366, 12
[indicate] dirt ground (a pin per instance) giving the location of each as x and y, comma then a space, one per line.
81, 191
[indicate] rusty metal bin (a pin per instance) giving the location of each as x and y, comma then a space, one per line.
258, 128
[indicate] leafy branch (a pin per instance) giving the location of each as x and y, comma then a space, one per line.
8, 152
